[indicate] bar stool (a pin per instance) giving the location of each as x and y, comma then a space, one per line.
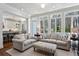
10, 37
4, 38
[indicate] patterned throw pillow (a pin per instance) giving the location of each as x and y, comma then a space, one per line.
16, 37
20, 36
65, 37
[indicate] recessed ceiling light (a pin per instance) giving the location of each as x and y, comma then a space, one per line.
42, 5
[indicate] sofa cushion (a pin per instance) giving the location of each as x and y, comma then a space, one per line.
19, 36
16, 37
65, 37
48, 36
29, 41
49, 40
61, 42
53, 36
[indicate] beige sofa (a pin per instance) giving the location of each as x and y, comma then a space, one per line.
21, 43
62, 41
24, 41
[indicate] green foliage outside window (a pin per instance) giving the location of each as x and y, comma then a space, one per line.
58, 29
67, 29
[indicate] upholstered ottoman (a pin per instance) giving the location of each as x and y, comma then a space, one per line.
48, 47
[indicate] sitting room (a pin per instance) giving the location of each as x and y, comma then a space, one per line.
39, 29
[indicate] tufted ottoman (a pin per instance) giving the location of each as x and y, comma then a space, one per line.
48, 47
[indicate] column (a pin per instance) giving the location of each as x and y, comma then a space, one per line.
1, 38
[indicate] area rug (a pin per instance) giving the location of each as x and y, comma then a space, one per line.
31, 52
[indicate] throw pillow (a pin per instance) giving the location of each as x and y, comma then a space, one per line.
16, 37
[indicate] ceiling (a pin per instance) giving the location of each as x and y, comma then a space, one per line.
35, 8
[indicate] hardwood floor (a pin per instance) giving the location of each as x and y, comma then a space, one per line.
6, 47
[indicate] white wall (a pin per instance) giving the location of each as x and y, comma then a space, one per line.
1, 38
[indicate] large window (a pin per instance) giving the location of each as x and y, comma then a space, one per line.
67, 24
52, 25
71, 21
41, 26
33, 27
45, 24
72, 13
75, 22
58, 25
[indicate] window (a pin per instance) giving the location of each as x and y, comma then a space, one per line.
52, 25
75, 21
72, 18
46, 26
33, 27
67, 24
45, 22
41, 26
72, 13
58, 25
